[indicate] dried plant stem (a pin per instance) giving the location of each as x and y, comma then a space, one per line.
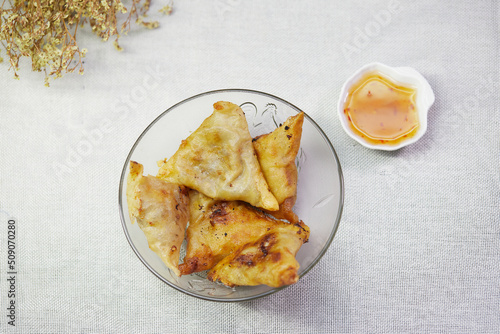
45, 30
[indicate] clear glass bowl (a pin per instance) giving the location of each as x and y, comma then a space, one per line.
320, 193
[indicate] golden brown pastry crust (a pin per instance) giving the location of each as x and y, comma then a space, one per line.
218, 228
161, 210
219, 160
276, 152
270, 260
286, 211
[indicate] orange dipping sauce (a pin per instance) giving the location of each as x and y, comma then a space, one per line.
381, 111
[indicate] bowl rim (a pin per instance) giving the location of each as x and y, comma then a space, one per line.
401, 74
231, 90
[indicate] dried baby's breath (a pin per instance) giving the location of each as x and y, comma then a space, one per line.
167, 10
45, 30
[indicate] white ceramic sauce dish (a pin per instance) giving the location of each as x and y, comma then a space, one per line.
405, 76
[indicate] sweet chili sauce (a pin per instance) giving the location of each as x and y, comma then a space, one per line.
380, 110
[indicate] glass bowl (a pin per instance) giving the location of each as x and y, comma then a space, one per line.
320, 189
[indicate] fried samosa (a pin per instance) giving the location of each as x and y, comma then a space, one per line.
219, 160
270, 260
218, 228
161, 210
276, 152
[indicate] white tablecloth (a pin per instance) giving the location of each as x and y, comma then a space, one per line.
418, 247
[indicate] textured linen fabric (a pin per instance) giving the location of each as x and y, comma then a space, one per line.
418, 247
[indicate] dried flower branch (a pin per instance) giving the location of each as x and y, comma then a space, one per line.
45, 30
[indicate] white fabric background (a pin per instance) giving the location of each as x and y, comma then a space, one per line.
418, 248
